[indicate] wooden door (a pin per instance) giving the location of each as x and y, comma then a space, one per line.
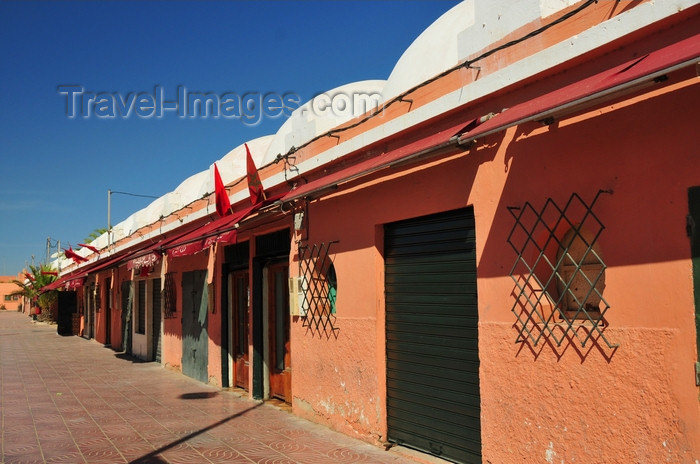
239, 304
278, 333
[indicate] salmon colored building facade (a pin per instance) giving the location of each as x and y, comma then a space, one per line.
8, 301
498, 264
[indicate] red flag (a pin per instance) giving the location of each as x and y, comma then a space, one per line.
74, 256
53, 273
89, 247
257, 193
223, 204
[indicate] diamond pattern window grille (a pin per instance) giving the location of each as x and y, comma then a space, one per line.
169, 296
317, 294
558, 273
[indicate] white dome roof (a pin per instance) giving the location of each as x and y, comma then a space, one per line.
324, 112
232, 165
461, 33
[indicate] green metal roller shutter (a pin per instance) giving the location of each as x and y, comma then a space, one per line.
433, 401
156, 304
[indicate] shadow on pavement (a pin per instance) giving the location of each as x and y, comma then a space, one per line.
198, 395
153, 457
128, 357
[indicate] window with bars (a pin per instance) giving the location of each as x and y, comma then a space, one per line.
559, 272
319, 285
169, 296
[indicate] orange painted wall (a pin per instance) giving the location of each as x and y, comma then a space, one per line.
636, 403
556, 401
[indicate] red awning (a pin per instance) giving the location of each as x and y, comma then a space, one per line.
436, 142
109, 261
148, 255
222, 230
147, 260
75, 279
84, 271
55, 284
607, 84
75, 283
194, 241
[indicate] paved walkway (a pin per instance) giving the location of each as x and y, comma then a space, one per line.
71, 400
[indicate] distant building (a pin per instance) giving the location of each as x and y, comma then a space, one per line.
500, 264
8, 301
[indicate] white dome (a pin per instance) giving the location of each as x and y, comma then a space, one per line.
461, 33
324, 112
232, 165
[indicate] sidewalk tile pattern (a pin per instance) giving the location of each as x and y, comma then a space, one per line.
71, 400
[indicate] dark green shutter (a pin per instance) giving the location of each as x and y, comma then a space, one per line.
694, 233
195, 338
127, 296
157, 318
433, 401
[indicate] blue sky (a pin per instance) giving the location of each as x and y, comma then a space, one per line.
56, 170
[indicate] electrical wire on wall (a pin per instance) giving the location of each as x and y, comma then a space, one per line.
402, 96
465, 64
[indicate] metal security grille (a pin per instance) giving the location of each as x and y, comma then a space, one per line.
169, 296
98, 297
318, 297
275, 244
558, 274
433, 397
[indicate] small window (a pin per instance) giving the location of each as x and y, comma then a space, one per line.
558, 273
332, 283
169, 296
319, 287
581, 275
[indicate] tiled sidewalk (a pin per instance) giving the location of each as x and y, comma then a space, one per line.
70, 400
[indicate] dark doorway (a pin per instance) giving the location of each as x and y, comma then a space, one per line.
67, 306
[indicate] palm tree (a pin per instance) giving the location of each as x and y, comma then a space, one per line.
32, 288
94, 234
